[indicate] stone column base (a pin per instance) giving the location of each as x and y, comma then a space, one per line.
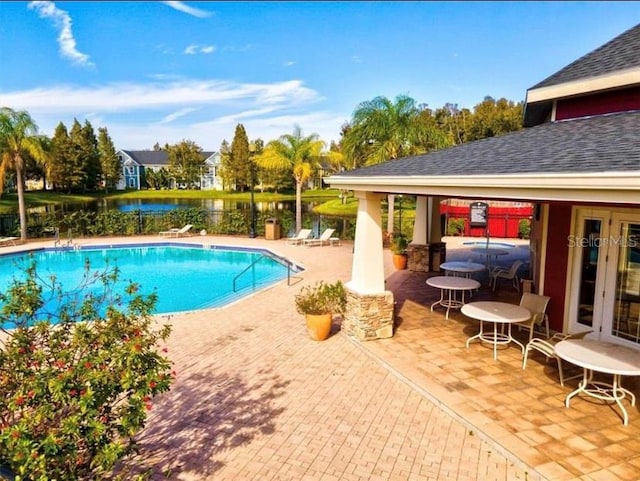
368, 316
418, 257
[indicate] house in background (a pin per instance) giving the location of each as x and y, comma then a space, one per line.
577, 161
136, 162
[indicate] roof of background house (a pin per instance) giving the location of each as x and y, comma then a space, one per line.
621, 53
606, 143
155, 157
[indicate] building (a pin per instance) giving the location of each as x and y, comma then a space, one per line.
577, 161
136, 162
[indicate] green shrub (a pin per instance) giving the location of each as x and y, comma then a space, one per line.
455, 226
76, 383
322, 298
524, 229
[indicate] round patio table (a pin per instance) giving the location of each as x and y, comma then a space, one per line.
593, 355
451, 285
496, 313
462, 267
488, 253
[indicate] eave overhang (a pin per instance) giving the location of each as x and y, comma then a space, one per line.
614, 187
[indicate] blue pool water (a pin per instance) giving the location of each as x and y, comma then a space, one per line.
184, 277
492, 245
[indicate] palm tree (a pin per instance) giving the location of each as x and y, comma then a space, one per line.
18, 139
296, 152
382, 130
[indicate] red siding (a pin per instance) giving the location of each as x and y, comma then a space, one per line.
598, 104
556, 262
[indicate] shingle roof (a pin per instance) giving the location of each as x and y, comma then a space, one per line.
155, 157
621, 53
606, 143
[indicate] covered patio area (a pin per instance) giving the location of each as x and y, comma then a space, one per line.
521, 410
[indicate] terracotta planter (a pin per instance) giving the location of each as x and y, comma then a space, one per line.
400, 261
319, 325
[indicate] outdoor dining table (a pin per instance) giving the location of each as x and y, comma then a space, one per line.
605, 357
449, 286
462, 267
496, 313
488, 253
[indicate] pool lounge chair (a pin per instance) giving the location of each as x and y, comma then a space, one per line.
8, 240
175, 232
323, 239
300, 237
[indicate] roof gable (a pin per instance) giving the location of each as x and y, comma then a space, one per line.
621, 53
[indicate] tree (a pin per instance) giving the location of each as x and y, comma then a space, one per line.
240, 162
382, 130
61, 150
18, 138
297, 153
75, 173
110, 164
78, 372
185, 163
90, 158
226, 171
491, 118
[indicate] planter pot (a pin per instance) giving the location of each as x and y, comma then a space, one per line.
319, 325
400, 261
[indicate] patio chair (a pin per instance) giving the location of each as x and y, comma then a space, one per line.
510, 274
8, 240
538, 306
299, 237
547, 347
175, 232
323, 239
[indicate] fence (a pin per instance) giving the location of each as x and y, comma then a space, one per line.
502, 221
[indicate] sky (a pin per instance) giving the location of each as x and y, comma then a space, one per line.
171, 71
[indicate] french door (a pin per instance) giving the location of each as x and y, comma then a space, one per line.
605, 287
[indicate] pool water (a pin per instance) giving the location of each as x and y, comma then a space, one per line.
185, 278
492, 245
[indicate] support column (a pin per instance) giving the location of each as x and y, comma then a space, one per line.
418, 249
369, 312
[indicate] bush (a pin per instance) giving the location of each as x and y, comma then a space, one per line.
455, 226
524, 229
322, 298
76, 381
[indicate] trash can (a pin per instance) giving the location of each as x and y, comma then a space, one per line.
272, 229
437, 255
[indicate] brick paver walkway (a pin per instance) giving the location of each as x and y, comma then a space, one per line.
255, 398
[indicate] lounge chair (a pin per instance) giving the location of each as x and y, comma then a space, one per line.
8, 240
175, 232
323, 239
300, 237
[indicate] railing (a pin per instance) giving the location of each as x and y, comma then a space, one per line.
281, 260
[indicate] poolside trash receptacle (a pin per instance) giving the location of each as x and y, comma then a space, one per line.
272, 229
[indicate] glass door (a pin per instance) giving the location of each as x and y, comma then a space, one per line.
589, 270
621, 319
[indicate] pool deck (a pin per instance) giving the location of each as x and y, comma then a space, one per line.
256, 398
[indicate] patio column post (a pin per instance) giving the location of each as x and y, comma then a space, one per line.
369, 312
418, 250
435, 230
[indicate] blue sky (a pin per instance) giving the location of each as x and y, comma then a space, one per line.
167, 71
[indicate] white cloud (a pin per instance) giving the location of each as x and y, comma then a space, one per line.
194, 49
62, 21
289, 63
176, 115
140, 114
182, 7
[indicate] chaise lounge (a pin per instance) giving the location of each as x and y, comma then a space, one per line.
175, 232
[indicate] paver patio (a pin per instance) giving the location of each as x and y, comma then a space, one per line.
255, 398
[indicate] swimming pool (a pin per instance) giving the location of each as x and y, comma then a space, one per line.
185, 276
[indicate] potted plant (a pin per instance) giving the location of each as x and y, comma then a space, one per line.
318, 303
399, 246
